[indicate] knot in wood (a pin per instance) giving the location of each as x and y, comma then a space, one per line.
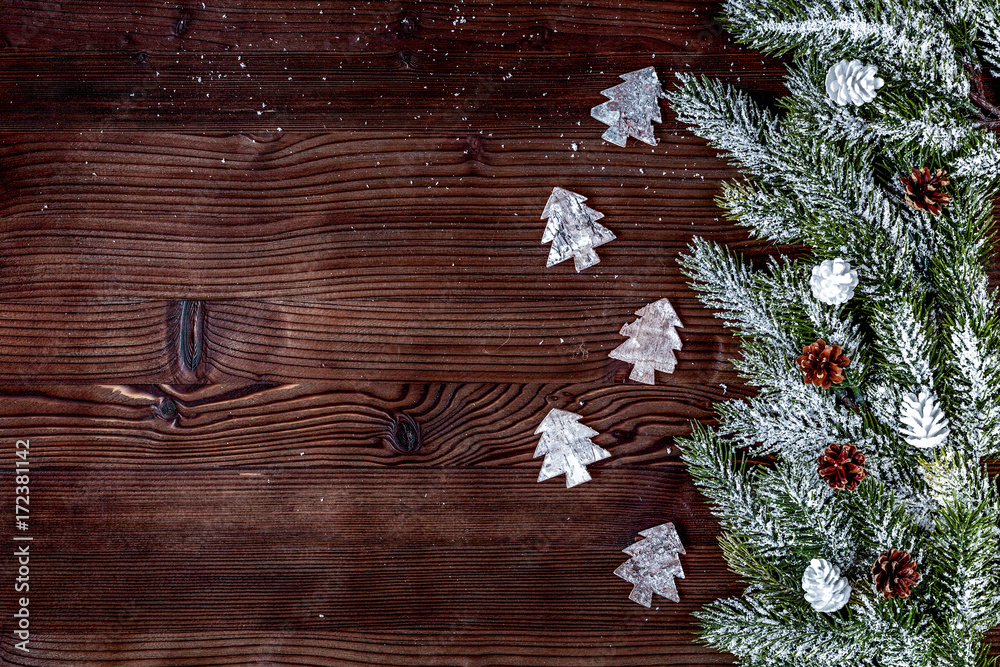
408, 24
537, 37
405, 435
474, 147
166, 409
183, 21
407, 59
623, 435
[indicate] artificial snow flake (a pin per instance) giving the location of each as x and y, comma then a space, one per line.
652, 341
567, 447
573, 229
654, 564
925, 426
833, 281
632, 108
851, 82
824, 588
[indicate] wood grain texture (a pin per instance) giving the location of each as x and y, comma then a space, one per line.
450, 341
297, 339
488, 647
341, 424
445, 556
348, 176
83, 341
344, 216
457, 546
316, 226
444, 94
278, 26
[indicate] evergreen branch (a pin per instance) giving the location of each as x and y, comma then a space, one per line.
729, 120
923, 316
727, 285
910, 46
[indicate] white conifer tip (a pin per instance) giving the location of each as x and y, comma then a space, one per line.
824, 588
925, 424
833, 281
850, 81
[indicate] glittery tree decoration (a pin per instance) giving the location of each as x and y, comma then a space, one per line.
573, 229
567, 447
654, 564
633, 107
652, 341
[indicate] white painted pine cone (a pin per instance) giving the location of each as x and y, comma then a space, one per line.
825, 589
833, 281
851, 82
925, 425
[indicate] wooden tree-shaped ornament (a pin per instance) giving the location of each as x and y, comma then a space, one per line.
573, 229
652, 341
654, 564
633, 107
567, 447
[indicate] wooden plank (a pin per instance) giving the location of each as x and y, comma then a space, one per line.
287, 540
453, 341
86, 340
335, 561
444, 94
63, 340
387, 648
392, 178
342, 216
319, 425
280, 25
193, 257
445, 556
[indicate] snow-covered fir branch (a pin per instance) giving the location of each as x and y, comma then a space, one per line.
913, 399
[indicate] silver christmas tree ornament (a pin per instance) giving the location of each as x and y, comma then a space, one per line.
924, 424
833, 281
567, 447
851, 82
824, 588
652, 341
633, 107
654, 564
573, 229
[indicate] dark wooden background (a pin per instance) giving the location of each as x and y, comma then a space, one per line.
240, 244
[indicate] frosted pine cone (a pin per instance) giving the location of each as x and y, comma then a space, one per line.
849, 81
822, 364
895, 573
833, 281
825, 589
842, 466
922, 191
925, 426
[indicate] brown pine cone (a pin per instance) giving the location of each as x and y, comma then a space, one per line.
922, 190
842, 466
894, 573
823, 364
